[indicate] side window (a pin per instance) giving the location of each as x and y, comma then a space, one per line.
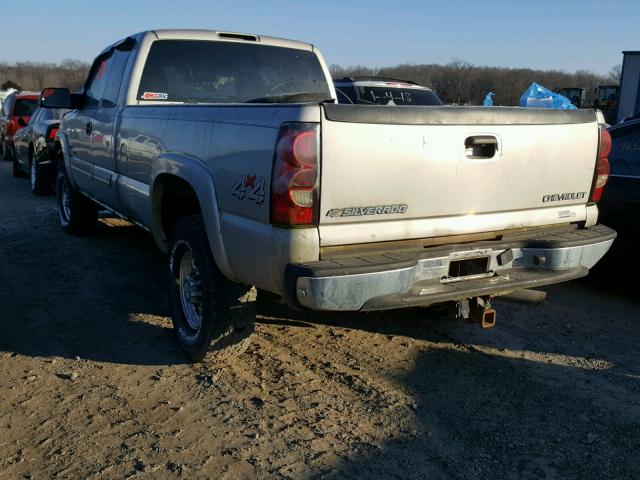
118, 63
47, 114
96, 81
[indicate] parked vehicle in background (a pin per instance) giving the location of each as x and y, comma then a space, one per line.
629, 93
35, 151
4, 94
383, 91
576, 95
605, 98
15, 106
230, 149
620, 204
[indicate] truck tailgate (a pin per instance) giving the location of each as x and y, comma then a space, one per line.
414, 172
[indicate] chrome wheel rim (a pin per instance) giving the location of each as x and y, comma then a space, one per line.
32, 171
190, 286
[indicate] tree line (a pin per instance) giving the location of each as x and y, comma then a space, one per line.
457, 82
37, 75
462, 83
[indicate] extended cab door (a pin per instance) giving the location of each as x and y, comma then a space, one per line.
80, 127
104, 141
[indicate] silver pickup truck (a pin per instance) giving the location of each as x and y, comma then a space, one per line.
232, 151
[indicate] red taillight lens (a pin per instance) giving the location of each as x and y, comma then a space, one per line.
294, 192
52, 133
602, 167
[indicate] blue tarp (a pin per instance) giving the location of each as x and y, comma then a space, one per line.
537, 96
488, 100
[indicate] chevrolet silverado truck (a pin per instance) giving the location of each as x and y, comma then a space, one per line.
232, 151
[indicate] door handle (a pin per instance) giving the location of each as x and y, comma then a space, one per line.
89, 128
481, 146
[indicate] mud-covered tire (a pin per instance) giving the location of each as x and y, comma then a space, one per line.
227, 310
76, 213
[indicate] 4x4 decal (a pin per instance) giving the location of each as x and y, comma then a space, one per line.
250, 187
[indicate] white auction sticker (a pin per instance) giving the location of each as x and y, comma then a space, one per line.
155, 96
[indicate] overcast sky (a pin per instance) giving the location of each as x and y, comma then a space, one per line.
561, 34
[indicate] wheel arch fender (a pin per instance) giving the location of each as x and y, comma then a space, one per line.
199, 178
63, 142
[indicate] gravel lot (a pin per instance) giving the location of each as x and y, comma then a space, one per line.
93, 386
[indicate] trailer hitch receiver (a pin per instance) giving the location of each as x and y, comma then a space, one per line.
477, 310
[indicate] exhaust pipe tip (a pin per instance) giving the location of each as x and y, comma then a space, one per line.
524, 296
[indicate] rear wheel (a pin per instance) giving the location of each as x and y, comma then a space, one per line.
76, 213
209, 312
39, 181
7, 153
17, 171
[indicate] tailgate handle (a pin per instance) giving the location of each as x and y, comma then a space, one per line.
481, 146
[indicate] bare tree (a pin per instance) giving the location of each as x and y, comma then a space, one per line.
37, 75
459, 82
615, 73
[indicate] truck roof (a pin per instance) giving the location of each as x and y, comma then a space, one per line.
216, 35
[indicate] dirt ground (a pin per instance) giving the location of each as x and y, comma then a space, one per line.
93, 386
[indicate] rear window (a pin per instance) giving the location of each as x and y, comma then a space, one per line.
346, 95
396, 96
226, 72
25, 107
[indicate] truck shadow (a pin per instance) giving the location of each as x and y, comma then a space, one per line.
100, 297
482, 416
580, 321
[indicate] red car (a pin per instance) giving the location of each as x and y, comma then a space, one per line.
16, 111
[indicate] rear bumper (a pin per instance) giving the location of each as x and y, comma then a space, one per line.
395, 280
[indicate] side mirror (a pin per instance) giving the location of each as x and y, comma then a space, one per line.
56, 98
22, 122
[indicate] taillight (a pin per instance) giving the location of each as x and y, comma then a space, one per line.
52, 133
294, 184
602, 167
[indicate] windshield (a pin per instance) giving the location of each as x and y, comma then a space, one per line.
608, 93
229, 72
396, 96
569, 92
25, 107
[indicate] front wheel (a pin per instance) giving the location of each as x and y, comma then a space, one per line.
209, 312
76, 212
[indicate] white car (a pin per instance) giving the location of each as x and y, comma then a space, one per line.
383, 91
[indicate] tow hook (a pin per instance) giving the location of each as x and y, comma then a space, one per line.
477, 310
